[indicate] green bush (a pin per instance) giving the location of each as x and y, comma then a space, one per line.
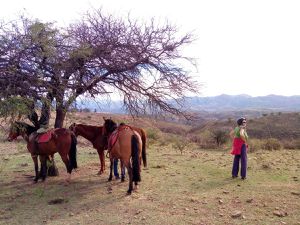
180, 144
271, 144
153, 134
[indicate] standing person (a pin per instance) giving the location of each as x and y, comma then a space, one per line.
116, 172
239, 148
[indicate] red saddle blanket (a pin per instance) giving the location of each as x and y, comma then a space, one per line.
115, 135
45, 137
113, 139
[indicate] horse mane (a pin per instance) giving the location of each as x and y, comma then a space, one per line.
110, 125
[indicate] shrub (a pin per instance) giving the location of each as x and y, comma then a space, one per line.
152, 134
255, 145
220, 136
180, 144
194, 138
271, 144
291, 144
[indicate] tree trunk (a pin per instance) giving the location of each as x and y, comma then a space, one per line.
60, 117
52, 168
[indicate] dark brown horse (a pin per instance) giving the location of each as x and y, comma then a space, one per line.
125, 144
62, 141
95, 135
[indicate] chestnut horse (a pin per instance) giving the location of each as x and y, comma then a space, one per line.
62, 141
24, 130
95, 135
125, 144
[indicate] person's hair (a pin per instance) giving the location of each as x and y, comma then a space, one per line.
240, 121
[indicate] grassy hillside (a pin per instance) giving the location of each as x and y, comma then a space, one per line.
192, 186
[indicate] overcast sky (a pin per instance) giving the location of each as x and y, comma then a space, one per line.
243, 47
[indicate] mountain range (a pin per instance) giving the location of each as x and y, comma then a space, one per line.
220, 103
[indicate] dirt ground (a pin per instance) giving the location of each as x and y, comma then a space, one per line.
193, 188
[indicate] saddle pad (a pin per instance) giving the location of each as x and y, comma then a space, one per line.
113, 139
45, 137
115, 135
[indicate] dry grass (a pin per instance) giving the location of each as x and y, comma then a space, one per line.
190, 188
193, 188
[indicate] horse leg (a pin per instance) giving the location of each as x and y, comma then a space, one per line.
102, 161
129, 169
36, 167
110, 169
122, 171
43, 167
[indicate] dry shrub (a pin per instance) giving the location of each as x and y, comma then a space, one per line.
194, 138
255, 145
291, 144
180, 144
173, 129
271, 144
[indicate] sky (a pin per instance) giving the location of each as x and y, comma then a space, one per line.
242, 47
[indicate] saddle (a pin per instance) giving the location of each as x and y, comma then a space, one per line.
115, 135
44, 137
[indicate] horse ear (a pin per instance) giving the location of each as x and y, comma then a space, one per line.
104, 118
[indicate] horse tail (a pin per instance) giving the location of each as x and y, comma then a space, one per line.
136, 175
144, 139
72, 153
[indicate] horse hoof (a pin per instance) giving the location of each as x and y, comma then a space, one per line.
123, 179
109, 179
129, 192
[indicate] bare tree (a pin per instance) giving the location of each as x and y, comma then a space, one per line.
98, 55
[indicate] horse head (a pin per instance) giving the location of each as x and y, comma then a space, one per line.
109, 126
16, 129
20, 129
73, 128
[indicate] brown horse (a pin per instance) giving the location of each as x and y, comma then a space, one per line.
24, 130
95, 135
125, 144
62, 141
143, 135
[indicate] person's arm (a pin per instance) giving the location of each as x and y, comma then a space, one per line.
242, 134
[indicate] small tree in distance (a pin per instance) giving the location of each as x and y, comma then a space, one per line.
96, 56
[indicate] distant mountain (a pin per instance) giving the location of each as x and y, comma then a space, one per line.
221, 103
244, 102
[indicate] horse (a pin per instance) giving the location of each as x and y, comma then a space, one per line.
143, 135
125, 144
27, 130
62, 141
95, 135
